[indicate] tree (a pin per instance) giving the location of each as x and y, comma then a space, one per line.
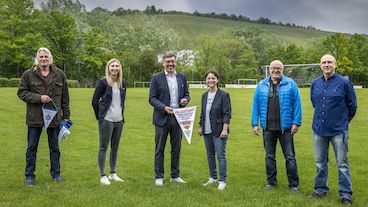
206, 47
232, 57
338, 46
293, 54
119, 12
358, 54
313, 51
61, 32
150, 10
20, 36
95, 55
290, 54
260, 41
148, 64
247, 66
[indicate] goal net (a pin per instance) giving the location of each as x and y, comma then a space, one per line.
302, 74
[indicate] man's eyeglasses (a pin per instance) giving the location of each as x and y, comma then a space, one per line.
276, 68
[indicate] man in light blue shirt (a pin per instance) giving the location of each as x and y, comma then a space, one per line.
168, 90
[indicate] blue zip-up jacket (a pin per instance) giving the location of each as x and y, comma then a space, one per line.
290, 104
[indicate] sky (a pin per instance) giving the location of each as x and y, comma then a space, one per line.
346, 16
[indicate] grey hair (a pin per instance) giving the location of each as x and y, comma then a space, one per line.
169, 54
43, 49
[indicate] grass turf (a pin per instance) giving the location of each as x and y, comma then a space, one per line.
245, 157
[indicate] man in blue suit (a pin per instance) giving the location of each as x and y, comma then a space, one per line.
168, 90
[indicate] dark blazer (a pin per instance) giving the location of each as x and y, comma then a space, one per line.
102, 99
159, 95
220, 112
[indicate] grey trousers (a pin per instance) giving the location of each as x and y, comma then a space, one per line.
109, 131
161, 133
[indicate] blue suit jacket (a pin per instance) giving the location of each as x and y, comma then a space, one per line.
220, 112
159, 96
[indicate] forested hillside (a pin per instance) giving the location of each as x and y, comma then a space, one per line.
82, 41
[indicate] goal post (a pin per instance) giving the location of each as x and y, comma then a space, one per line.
302, 74
246, 81
196, 84
243, 83
141, 84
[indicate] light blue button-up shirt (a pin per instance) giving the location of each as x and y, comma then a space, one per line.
172, 82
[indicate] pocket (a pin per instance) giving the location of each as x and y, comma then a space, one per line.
218, 121
58, 89
37, 87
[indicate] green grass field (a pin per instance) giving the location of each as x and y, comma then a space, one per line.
245, 156
189, 27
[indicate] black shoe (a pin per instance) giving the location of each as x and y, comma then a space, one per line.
58, 179
29, 181
317, 195
346, 201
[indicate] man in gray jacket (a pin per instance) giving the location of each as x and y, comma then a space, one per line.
44, 84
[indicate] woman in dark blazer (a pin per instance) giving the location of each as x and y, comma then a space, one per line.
108, 104
214, 125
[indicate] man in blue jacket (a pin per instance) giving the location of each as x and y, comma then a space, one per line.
168, 90
334, 102
277, 105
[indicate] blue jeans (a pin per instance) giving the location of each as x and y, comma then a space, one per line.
340, 146
216, 146
287, 145
31, 154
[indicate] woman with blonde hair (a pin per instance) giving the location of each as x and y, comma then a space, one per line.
108, 105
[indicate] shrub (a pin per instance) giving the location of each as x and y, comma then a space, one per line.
4, 82
14, 82
73, 83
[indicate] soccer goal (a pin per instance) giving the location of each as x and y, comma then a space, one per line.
302, 74
141, 84
196, 84
243, 83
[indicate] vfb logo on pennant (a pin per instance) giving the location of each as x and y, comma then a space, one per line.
48, 114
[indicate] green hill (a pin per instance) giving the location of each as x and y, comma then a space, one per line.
189, 27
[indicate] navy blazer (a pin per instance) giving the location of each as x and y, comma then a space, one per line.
159, 95
220, 112
102, 99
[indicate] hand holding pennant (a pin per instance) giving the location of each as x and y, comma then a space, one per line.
48, 113
185, 118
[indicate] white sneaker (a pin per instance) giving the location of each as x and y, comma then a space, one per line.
104, 180
221, 185
159, 182
177, 180
210, 181
114, 177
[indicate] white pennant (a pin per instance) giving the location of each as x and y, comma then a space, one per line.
48, 114
185, 118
